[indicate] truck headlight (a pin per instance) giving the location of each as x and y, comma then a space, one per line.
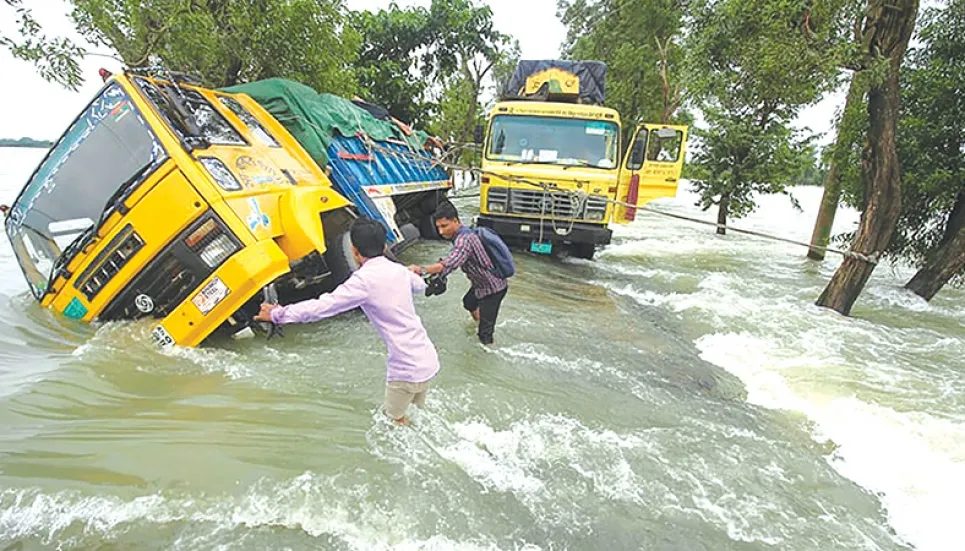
216, 252
595, 214
496, 199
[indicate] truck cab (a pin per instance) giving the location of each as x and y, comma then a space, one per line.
169, 201
554, 172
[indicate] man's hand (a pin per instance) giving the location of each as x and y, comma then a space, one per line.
417, 270
265, 313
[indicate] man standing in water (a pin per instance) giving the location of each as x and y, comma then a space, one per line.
487, 289
383, 290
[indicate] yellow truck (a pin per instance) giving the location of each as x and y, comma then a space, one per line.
553, 169
167, 200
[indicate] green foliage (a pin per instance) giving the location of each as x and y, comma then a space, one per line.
390, 70
753, 66
432, 63
740, 157
813, 170
639, 42
932, 135
55, 58
229, 41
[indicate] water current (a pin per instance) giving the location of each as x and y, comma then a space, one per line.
681, 391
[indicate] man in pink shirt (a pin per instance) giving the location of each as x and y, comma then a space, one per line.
383, 290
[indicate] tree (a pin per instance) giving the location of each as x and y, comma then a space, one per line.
390, 69
742, 156
226, 42
753, 66
813, 170
55, 58
638, 40
842, 157
431, 63
888, 27
466, 49
931, 229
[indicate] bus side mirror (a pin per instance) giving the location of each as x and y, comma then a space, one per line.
478, 135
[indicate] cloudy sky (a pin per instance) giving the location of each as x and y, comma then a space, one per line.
30, 106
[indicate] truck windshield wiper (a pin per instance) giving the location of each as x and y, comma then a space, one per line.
80, 242
578, 163
87, 236
531, 163
122, 193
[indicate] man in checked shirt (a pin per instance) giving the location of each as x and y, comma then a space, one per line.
488, 289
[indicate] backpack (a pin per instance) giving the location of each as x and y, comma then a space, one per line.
499, 255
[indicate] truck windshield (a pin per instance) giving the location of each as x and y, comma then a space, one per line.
552, 140
104, 155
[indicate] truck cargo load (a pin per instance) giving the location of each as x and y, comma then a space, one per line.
554, 79
388, 183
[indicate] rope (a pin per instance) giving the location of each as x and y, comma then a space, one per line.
871, 258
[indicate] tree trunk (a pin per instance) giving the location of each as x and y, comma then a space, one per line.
887, 30
956, 219
722, 214
947, 260
821, 235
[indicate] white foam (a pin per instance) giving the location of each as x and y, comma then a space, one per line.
306, 503
517, 459
914, 461
794, 356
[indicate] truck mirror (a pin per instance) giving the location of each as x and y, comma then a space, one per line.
638, 151
478, 135
666, 132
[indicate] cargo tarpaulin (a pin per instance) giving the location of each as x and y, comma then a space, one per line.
557, 75
313, 118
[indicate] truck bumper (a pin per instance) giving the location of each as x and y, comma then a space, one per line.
244, 274
527, 230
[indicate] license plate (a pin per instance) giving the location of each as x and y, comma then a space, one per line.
541, 248
162, 337
209, 296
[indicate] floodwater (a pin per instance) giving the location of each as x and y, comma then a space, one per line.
681, 391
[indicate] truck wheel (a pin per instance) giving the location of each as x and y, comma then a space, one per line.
427, 225
583, 250
339, 257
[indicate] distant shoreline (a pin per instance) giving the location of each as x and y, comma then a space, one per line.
26, 142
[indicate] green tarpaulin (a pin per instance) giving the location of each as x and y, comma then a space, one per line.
313, 118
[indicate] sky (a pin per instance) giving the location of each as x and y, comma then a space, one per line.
32, 107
